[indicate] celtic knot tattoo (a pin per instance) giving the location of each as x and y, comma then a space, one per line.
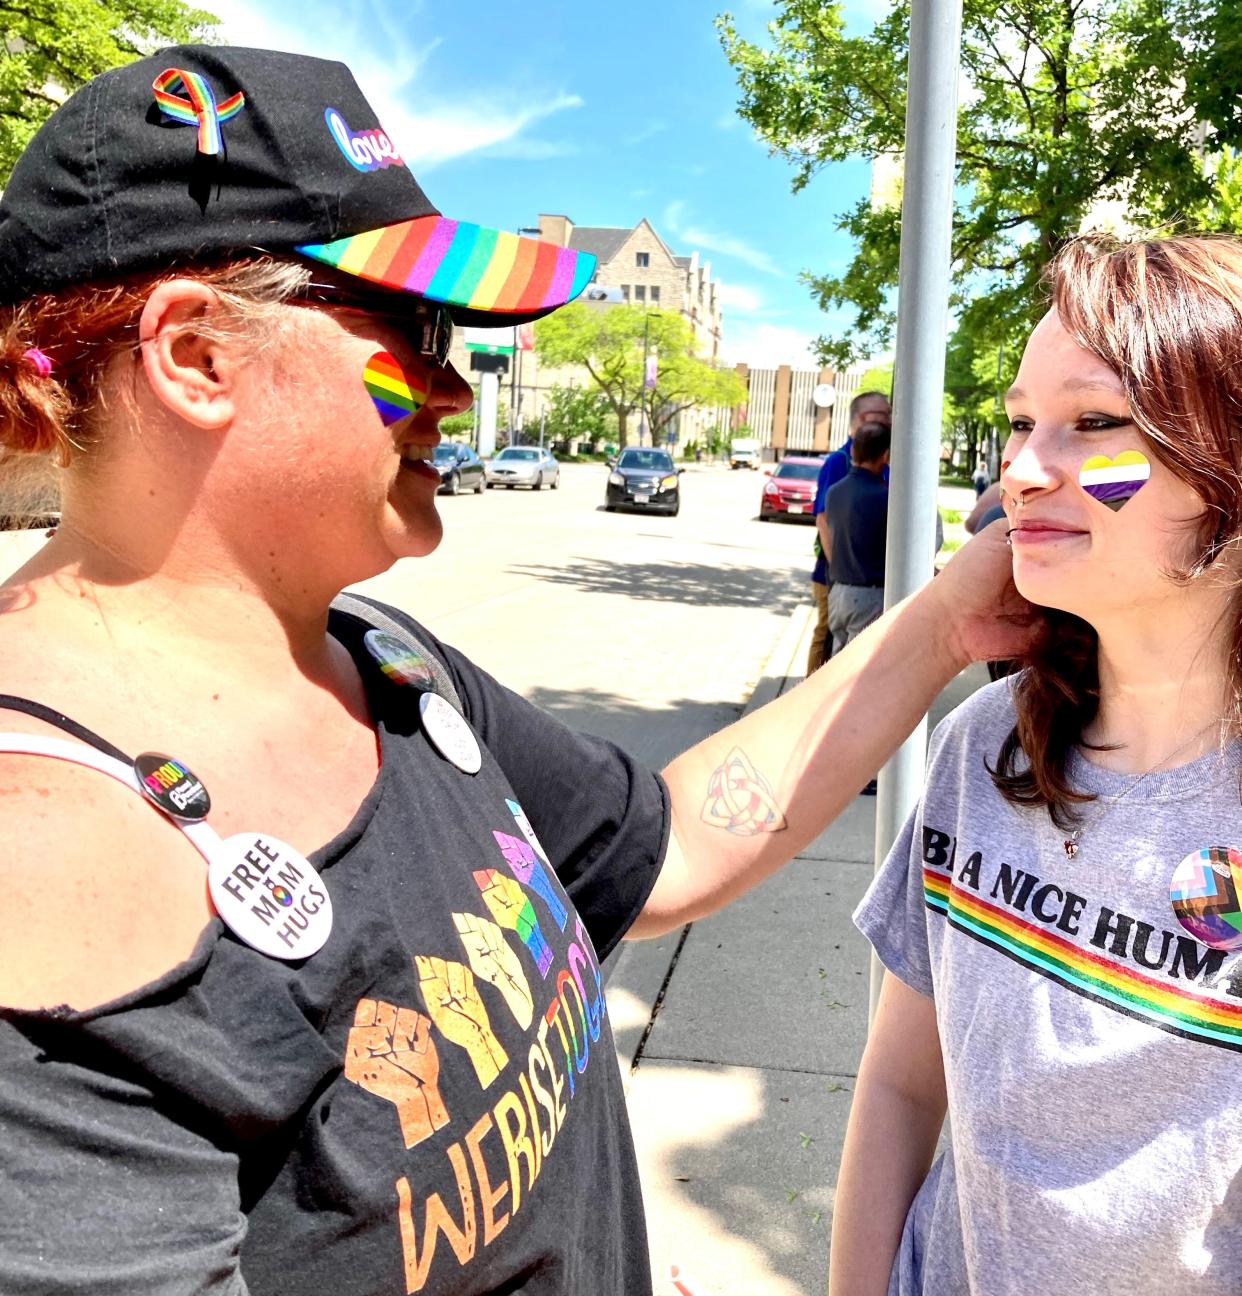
739, 799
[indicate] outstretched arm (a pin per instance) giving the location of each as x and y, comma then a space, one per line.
749, 798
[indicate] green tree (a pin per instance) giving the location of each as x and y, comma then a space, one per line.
1069, 105
878, 378
50, 47
577, 414
685, 382
610, 343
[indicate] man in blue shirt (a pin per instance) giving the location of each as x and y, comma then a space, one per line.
856, 516
866, 407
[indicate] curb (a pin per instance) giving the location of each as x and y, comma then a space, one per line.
786, 661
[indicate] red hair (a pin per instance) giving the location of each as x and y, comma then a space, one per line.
82, 332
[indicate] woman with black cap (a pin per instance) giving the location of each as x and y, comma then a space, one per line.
371, 1054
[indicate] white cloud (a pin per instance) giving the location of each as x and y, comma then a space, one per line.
387, 64
525, 149
428, 138
692, 237
646, 133
738, 297
765, 346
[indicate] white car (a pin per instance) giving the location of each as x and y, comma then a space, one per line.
523, 466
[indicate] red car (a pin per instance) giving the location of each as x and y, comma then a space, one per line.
790, 489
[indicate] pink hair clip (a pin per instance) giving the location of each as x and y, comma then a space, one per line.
40, 363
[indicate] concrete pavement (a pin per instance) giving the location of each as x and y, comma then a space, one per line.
739, 1038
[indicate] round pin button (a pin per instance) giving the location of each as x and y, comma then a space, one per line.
270, 896
1204, 892
449, 733
401, 663
171, 786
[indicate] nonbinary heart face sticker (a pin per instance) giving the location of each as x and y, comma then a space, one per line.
396, 392
1115, 481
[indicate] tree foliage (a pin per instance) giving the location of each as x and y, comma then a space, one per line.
48, 48
1069, 107
610, 343
577, 414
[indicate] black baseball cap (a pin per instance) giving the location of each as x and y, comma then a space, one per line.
204, 152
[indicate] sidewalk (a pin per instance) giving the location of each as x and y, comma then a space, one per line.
739, 1038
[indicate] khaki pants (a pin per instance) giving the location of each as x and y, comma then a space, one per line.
851, 609
821, 641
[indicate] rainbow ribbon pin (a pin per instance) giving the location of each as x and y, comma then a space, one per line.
197, 107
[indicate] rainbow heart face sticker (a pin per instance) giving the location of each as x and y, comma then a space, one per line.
1114, 481
395, 392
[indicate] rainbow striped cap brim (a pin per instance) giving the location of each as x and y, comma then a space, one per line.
487, 274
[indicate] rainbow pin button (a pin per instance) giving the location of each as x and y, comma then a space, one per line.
399, 662
1204, 892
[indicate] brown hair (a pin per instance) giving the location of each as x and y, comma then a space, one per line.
47, 420
1166, 316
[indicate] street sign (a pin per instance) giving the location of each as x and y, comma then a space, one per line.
482, 362
489, 341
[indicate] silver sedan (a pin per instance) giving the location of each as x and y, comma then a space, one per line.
523, 466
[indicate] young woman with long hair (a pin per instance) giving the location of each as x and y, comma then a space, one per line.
1060, 919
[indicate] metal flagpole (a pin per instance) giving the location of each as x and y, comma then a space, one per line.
918, 389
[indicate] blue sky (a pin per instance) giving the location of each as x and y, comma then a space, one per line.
604, 113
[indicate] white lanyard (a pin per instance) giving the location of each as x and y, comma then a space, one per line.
267, 893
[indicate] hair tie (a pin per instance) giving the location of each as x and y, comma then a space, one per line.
40, 363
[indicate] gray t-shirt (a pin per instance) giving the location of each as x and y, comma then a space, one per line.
1091, 1046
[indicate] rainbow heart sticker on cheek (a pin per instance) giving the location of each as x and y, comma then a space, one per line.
1115, 481
395, 392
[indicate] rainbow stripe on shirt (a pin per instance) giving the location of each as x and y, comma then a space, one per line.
1162, 1004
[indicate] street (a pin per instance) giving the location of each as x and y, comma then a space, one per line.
648, 630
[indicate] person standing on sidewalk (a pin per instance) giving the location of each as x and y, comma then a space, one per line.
856, 526
1060, 918
866, 407
303, 914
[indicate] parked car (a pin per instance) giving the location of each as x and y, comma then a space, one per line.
460, 468
644, 479
523, 466
790, 489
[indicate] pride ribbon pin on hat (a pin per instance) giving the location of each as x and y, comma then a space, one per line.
197, 107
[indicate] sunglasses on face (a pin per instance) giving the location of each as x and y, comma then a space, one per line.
428, 325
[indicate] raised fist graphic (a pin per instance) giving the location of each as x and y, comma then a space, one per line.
492, 960
391, 1054
459, 1014
512, 909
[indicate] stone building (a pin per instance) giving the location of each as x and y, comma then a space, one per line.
640, 266
639, 263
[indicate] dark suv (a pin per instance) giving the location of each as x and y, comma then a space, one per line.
460, 469
644, 479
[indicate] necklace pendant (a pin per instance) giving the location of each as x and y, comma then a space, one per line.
1071, 847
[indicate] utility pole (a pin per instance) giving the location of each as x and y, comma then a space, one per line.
515, 380
642, 398
918, 386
